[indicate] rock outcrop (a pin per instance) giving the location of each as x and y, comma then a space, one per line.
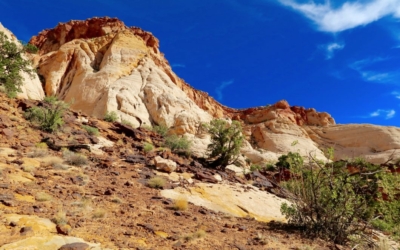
32, 87
101, 65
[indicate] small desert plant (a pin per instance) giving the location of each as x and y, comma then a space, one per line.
74, 158
255, 167
289, 160
50, 161
178, 144
38, 153
196, 235
180, 204
116, 200
226, 141
41, 145
147, 147
60, 218
161, 129
91, 130
111, 116
42, 196
157, 182
47, 118
28, 169
99, 213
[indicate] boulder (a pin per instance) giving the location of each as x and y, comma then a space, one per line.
164, 164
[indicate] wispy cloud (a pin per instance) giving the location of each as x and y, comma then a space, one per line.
386, 113
221, 87
349, 15
331, 48
178, 65
362, 67
396, 94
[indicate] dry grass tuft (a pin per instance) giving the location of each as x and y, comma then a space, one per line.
157, 182
180, 204
50, 161
74, 159
60, 218
42, 196
99, 213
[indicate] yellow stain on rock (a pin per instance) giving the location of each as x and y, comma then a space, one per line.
162, 234
21, 176
40, 226
27, 198
30, 162
46, 243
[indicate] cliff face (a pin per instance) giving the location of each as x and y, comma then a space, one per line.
101, 65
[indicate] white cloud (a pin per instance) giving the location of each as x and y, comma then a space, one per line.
386, 113
330, 49
372, 75
347, 16
219, 89
396, 94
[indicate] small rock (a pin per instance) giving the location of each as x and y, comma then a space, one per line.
218, 177
108, 192
25, 230
13, 224
164, 164
177, 213
242, 228
75, 246
64, 229
224, 230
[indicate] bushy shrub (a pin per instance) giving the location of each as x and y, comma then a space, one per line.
177, 144
74, 158
161, 129
111, 116
91, 130
11, 65
289, 160
226, 141
147, 147
157, 182
331, 201
47, 118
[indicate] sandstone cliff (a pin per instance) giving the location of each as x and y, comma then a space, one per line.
101, 65
31, 88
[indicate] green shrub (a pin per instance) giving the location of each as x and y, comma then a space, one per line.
111, 116
255, 167
50, 99
226, 141
147, 147
30, 48
289, 160
11, 64
157, 182
161, 129
91, 130
177, 144
74, 158
47, 118
331, 202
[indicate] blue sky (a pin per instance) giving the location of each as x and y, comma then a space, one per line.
342, 57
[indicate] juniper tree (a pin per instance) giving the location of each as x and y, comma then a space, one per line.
11, 65
226, 140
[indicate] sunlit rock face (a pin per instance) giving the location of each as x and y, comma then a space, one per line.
101, 65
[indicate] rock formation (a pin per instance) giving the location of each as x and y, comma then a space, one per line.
101, 65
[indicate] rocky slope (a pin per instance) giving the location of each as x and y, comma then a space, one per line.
49, 201
101, 65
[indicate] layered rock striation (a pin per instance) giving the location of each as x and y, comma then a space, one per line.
100, 65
